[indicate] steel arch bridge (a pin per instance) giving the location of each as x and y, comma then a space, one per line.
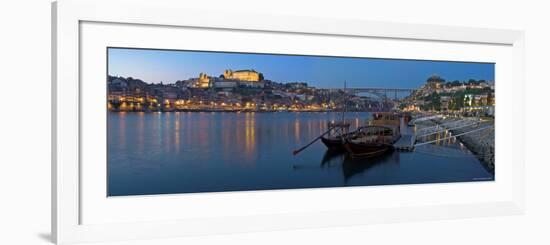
380, 92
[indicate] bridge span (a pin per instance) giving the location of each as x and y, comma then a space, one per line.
381, 92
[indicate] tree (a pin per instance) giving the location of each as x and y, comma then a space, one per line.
473, 82
433, 102
457, 101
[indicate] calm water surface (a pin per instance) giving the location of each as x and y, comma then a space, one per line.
188, 152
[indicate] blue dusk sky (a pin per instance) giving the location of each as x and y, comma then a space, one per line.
168, 66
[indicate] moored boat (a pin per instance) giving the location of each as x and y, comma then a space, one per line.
335, 139
367, 149
336, 142
377, 138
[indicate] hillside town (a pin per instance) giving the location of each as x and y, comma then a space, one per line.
241, 90
248, 90
466, 97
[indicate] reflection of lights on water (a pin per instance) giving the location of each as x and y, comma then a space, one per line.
297, 130
250, 133
122, 126
166, 134
177, 134
310, 126
141, 131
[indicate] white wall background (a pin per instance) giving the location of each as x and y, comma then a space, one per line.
25, 122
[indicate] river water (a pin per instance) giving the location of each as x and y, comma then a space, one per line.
189, 152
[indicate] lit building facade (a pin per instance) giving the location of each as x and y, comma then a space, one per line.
242, 75
203, 81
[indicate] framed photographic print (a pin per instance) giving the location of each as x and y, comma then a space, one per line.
171, 125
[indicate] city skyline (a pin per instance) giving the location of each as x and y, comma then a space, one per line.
168, 66
239, 132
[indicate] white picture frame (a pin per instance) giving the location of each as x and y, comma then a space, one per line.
67, 192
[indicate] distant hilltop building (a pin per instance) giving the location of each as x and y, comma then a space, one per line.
435, 82
242, 75
229, 79
203, 81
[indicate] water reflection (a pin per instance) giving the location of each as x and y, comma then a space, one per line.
355, 166
250, 132
332, 157
184, 152
177, 132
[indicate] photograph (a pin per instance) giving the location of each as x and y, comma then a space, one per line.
202, 121
286, 122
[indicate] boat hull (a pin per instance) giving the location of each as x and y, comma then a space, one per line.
365, 150
333, 144
337, 143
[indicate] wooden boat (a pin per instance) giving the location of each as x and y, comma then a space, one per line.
367, 149
335, 139
377, 138
371, 141
336, 142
